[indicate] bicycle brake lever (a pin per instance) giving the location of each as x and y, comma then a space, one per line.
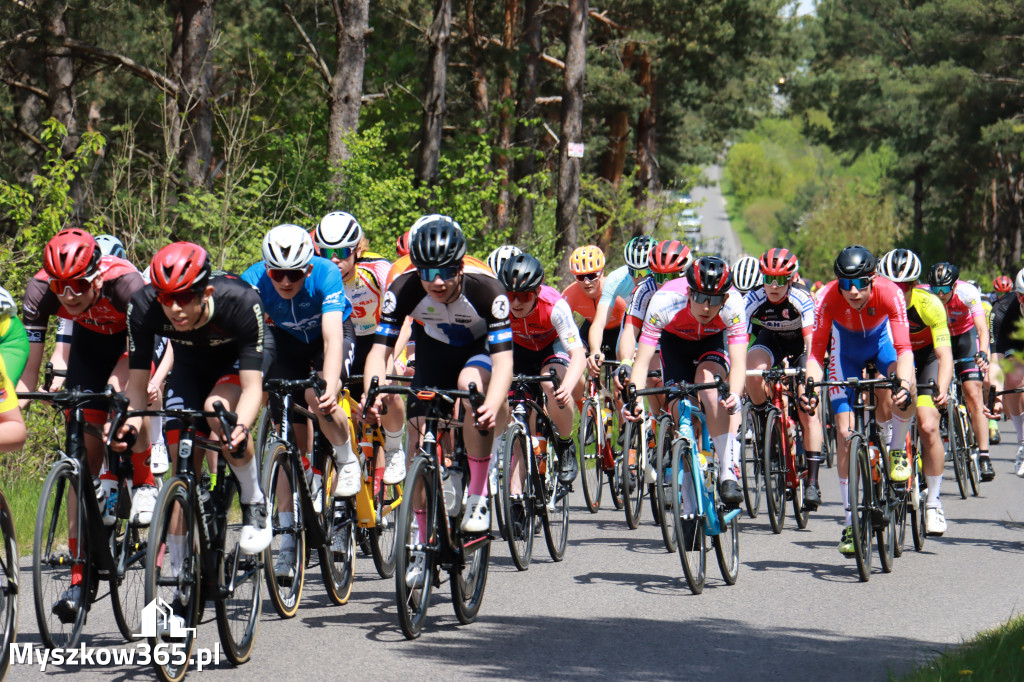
371, 395
318, 390
476, 399
555, 381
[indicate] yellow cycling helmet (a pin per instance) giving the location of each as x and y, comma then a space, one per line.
586, 260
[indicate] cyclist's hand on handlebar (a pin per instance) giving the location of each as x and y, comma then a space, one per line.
563, 396
808, 402
373, 411
731, 402
486, 418
239, 435
328, 402
997, 408
901, 397
594, 361
632, 415
941, 398
153, 392
622, 376
124, 438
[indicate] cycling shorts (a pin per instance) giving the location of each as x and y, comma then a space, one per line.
528, 361
781, 347
965, 346
680, 357
92, 359
851, 352
363, 344
443, 368
926, 368
609, 340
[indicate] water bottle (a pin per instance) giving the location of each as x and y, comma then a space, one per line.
455, 476
206, 504
448, 485
540, 447
876, 473
108, 483
705, 470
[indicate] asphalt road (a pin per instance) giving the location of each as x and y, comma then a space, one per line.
716, 234
618, 608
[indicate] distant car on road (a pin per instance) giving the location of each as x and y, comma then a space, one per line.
690, 221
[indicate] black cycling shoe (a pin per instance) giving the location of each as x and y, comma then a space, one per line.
812, 497
985, 468
732, 494
568, 466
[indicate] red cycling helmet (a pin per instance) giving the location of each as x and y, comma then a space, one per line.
709, 275
670, 256
402, 244
180, 266
778, 262
1002, 284
71, 254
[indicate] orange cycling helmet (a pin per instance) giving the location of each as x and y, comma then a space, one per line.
586, 260
1002, 284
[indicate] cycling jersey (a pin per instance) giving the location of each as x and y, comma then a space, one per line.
8, 398
365, 290
549, 320
234, 329
884, 308
790, 319
322, 292
480, 312
618, 284
670, 311
963, 307
637, 309
106, 316
13, 346
580, 303
927, 318
1006, 316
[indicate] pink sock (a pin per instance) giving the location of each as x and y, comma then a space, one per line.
421, 524
478, 475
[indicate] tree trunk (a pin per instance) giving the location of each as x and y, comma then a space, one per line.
60, 71
503, 160
525, 136
568, 210
196, 84
352, 27
28, 105
434, 101
647, 164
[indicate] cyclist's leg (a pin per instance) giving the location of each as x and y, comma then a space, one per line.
933, 455
903, 367
965, 346
847, 359
555, 358
760, 357
477, 518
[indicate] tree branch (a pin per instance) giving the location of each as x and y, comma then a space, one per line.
317, 59
27, 135
155, 77
23, 38
603, 18
557, 63
25, 86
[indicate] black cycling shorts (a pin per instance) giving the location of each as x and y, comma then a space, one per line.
965, 347
92, 359
680, 357
781, 347
438, 365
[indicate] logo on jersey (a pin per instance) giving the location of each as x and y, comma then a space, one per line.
390, 303
499, 309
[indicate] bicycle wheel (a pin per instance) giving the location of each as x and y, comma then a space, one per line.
800, 513
972, 454
958, 448
556, 512
58, 560
590, 457
886, 527
663, 484
828, 430
382, 536
8, 586
128, 547
774, 470
690, 538
519, 510
412, 551
861, 504
727, 548
917, 508
631, 474
238, 613
173, 578
288, 546
751, 465
264, 434
469, 582
338, 553
899, 536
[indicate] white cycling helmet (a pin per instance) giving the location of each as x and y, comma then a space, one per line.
1018, 282
338, 230
638, 250
900, 265
746, 274
7, 304
287, 247
429, 219
110, 246
500, 255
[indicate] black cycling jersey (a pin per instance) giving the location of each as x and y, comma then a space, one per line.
1006, 315
787, 319
479, 312
234, 330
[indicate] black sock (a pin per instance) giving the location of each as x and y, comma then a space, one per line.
813, 462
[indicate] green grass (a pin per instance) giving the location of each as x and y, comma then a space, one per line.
22, 495
748, 241
996, 655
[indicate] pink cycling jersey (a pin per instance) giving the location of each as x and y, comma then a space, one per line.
550, 319
669, 311
963, 307
885, 306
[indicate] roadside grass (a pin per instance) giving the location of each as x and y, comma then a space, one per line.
22, 493
996, 655
748, 241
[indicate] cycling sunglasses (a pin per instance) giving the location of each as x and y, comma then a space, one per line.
445, 273
77, 286
777, 280
182, 298
859, 282
341, 254
710, 299
662, 277
942, 288
521, 296
589, 277
642, 272
291, 274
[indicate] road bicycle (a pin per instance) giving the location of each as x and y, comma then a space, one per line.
912, 504
958, 433
434, 489
541, 497
194, 555
8, 585
598, 440
304, 488
636, 464
750, 460
73, 545
691, 480
874, 498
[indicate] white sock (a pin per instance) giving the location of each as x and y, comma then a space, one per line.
1018, 425
392, 440
734, 448
286, 519
722, 450
343, 454
900, 428
886, 428
934, 484
844, 494
176, 550
248, 482
156, 430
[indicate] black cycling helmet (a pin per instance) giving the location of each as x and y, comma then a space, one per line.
521, 272
854, 261
943, 275
709, 275
437, 244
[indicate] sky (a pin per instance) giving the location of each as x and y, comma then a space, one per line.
806, 7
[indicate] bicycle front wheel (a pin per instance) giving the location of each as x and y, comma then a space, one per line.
691, 542
774, 470
958, 447
663, 482
751, 464
238, 613
8, 586
417, 544
338, 553
590, 457
61, 560
518, 510
128, 546
469, 583
284, 561
556, 511
631, 473
861, 504
382, 536
727, 548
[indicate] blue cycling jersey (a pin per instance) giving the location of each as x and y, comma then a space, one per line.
619, 284
323, 292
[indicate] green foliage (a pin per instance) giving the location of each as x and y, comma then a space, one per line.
996, 655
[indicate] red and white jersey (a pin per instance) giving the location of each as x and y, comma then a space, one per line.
886, 306
550, 319
963, 307
669, 310
365, 290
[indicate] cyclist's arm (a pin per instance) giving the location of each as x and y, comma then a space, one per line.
334, 344
500, 381
981, 324
164, 368
627, 342
644, 354
944, 355
12, 426
376, 363
577, 363
596, 334
403, 338
737, 367
248, 407
30, 377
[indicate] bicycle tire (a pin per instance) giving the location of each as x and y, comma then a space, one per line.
774, 471
520, 540
383, 534
469, 582
971, 439
691, 543
238, 614
751, 465
52, 561
555, 516
800, 513
128, 547
336, 568
264, 434
727, 548
10, 586
885, 532
828, 429
861, 503
413, 602
182, 592
591, 470
663, 484
918, 511
285, 595
631, 475
958, 448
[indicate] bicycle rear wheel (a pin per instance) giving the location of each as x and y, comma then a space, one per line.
631, 474
469, 583
958, 447
590, 457
885, 529
800, 513
382, 536
57, 559
861, 504
415, 556
280, 483
238, 613
751, 464
917, 505
128, 547
173, 577
973, 475
727, 548
338, 553
519, 510
663, 482
774, 470
690, 539
556, 511
8, 586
